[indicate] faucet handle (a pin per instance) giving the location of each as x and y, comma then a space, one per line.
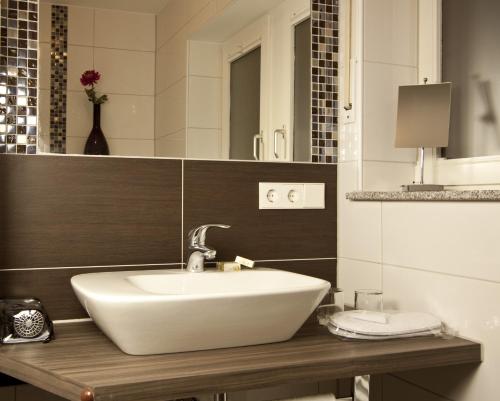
198, 235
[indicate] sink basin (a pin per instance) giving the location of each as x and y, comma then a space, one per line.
165, 311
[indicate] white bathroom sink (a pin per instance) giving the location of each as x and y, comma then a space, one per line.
165, 311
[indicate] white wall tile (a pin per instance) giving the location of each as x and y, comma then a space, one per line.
44, 112
45, 22
391, 31
471, 307
349, 142
359, 223
173, 145
79, 115
164, 24
387, 176
44, 65
128, 117
43, 144
381, 82
355, 274
171, 64
75, 145
131, 147
221, 4
451, 237
200, 18
205, 59
171, 109
124, 30
174, 25
204, 102
125, 72
175, 16
120, 147
80, 59
348, 178
203, 143
80, 26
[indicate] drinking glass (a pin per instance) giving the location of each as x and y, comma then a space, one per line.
369, 300
335, 304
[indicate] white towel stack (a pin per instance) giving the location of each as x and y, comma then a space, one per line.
381, 326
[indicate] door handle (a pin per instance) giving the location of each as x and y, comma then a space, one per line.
257, 139
278, 132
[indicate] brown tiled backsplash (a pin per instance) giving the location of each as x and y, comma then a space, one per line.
18, 76
325, 51
218, 192
60, 304
81, 211
58, 77
59, 214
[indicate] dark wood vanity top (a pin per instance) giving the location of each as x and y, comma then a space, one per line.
82, 364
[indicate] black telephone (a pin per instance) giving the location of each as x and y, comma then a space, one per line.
23, 321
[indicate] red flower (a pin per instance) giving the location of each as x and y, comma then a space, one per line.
90, 78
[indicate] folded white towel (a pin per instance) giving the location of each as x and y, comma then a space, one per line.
319, 397
357, 336
398, 323
369, 316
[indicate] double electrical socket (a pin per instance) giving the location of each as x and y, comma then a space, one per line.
285, 195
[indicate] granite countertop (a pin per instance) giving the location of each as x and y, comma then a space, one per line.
434, 196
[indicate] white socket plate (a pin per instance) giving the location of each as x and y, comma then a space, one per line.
287, 195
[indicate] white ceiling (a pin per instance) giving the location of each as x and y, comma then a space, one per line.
142, 6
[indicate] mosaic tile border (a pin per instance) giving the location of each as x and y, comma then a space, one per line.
18, 76
325, 53
58, 78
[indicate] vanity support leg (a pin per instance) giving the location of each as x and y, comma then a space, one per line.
362, 388
220, 397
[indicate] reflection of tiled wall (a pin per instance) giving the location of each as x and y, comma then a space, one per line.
324, 15
18, 75
58, 78
116, 43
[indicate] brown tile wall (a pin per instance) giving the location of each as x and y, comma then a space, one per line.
59, 215
222, 192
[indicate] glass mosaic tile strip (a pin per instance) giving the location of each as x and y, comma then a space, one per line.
325, 53
18, 76
58, 78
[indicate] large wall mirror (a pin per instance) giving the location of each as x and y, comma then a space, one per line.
211, 79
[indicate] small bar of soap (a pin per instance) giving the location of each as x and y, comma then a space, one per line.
228, 266
244, 262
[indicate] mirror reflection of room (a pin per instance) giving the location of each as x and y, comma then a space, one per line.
470, 59
218, 80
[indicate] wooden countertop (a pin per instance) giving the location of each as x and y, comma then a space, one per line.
83, 359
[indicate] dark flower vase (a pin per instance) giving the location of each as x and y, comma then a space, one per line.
96, 142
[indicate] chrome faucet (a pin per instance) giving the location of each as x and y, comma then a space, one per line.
202, 252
